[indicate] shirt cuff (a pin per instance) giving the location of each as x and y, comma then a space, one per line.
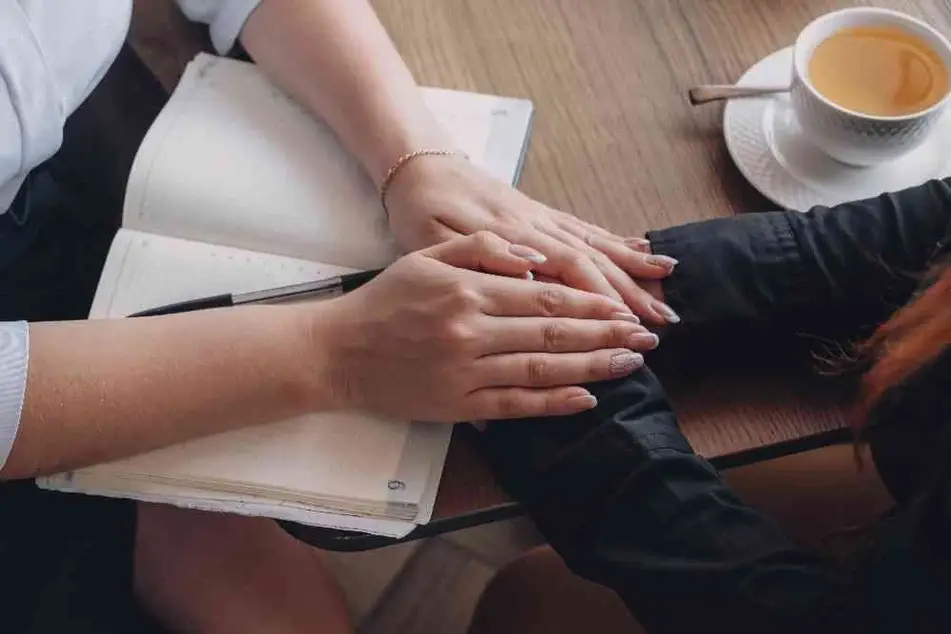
739, 268
14, 357
225, 18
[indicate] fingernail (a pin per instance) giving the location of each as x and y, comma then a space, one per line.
662, 261
625, 362
529, 276
648, 339
639, 244
666, 312
626, 317
527, 253
581, 403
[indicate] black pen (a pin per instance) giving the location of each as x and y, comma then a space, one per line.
321, 289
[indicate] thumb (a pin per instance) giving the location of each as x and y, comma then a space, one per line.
485, 251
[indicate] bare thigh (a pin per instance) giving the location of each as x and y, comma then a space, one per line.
208, 573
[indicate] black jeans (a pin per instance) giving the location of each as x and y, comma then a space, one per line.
67, 560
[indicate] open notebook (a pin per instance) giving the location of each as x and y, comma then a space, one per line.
235, 188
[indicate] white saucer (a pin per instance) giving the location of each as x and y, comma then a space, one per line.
764, 139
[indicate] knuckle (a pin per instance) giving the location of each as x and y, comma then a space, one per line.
602, 261
551, 300
484, 240
616, 334
412, 263
463, 295
458, 333
538, 370
554, 336
469, 299
577, 260
597, 305
453, 286
508, 406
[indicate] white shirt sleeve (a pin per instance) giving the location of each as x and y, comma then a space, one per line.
14, 357
52, 54
31, 108
225, 17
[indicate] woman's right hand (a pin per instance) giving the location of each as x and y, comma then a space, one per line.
456, 332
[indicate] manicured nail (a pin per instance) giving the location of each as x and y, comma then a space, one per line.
666, 312
529, 276
662, 261
581, 403
639, 244
645, 339
626, 317
527, 253
625, 362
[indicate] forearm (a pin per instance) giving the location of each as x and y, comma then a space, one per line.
100, 390
841, 267
336, 59
620, 495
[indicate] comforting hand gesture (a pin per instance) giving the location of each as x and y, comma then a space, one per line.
434, 338
436, 198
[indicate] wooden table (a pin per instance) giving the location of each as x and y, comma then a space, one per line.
616, 143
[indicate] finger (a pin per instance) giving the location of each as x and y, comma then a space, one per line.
563, 262
587, 231
499, 403
507, 297
639, 244
538, 334
639, 300
541, 369
485, 251
635, 263
594, 236
584, 230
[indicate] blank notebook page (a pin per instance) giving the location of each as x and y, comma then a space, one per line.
233, 161
146, 270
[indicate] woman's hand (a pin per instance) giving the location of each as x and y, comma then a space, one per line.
434, 339
435, 198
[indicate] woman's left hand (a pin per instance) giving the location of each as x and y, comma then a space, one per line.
435, 198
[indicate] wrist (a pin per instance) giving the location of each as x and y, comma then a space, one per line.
400, 138
316, 332
408, 181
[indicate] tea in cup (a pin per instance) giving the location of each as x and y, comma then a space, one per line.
869, 84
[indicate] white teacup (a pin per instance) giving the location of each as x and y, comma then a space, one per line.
853, 137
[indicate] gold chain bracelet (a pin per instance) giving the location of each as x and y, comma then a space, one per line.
401, 163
